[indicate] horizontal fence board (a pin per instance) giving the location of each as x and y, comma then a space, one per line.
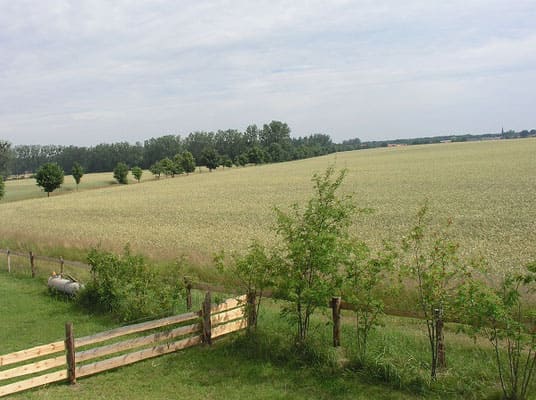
131, 358
34, 352
136, 342
229, 304
33, 382
15, 253
347, 306
38, 366
209, 287
126, 330
234, 326
228, 316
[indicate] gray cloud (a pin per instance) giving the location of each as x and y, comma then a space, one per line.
86, 72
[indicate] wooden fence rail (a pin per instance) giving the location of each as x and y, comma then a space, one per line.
32, 258
190, 285
74, 357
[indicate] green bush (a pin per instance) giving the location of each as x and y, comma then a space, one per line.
126, 287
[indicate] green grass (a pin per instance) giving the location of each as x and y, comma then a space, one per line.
25, 189
487, 188
262, 367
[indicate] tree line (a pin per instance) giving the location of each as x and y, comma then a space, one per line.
271, 143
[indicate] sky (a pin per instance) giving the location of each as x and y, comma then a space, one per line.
86, 72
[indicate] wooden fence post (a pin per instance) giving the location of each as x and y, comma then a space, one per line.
8, 261
62, 263
188, 286
70, 353
336, 311
441, 361
207, 324
251, 310
32, 263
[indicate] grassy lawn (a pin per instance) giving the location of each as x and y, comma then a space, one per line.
234, 368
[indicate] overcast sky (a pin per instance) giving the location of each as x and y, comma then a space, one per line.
85, 72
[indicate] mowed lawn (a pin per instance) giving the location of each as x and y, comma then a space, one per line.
488, 189
31, 317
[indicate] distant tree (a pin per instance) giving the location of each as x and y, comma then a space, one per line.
225, 161
188, 162
120, 173
241, 160
2, 187
256, 155
168, 167
78, 173
177, 164
137, 172
210, 158
156, 169
5, 157
50, 177
275, 132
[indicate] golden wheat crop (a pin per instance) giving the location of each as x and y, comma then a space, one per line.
487, 188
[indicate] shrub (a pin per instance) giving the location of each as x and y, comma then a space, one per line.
126, 287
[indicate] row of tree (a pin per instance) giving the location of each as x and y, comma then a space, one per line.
271, 143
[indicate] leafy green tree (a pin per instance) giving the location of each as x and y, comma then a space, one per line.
50, 177
433, 262
177, 164
210, 158
188, 162
121, 173
242, 159
2, 187
314, 245
6, 155
168, 167
505, 317
365, 274
256, 155
254, 271
78, 173
137, 172
157, 169
225, 161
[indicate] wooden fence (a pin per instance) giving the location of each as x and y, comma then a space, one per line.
74, 358
336, 304
32, 258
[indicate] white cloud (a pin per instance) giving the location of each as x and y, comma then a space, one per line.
129, 70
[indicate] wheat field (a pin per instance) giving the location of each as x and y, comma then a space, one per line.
488, 189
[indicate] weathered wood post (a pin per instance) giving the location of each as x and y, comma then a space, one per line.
188, 286
207, 323
32, 263
336, 311
8, 261
438, 316
251, 308
70, 353
62, 264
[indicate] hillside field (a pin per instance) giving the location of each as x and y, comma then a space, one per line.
487, 188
